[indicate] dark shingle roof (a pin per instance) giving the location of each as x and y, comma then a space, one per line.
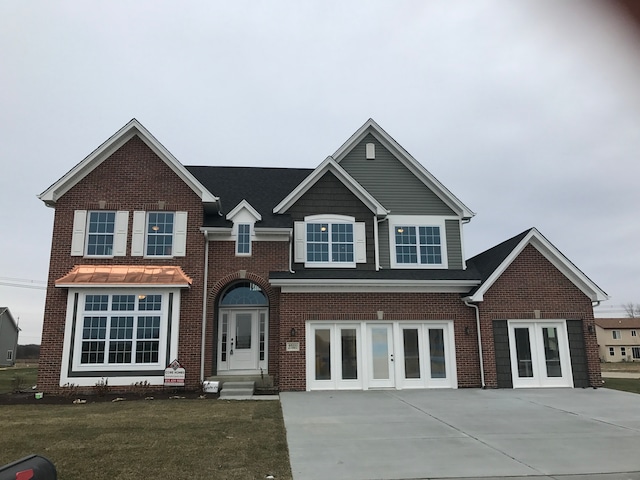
263, 188
486, 262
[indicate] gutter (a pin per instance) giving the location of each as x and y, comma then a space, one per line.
480, 354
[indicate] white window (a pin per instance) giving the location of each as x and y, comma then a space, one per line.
634, 333
121, 329
243, 239
417, 242
99, 233
616, 334
636, 353
159, 234
330, 241
9, 355
623, 351
612, 351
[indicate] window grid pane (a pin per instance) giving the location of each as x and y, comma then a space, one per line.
244, 238
426, 240
131, 338
100, 233
334, 238
160, 234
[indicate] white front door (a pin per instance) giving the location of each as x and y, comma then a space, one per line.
380, 355
539, 354
242, 341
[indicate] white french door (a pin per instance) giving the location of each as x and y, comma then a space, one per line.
539, 354
366, 355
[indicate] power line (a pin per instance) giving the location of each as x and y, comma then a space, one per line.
34, 287
23, 280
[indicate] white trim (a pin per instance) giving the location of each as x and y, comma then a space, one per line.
244, 205
179, 247
557, 259
329, 165
417, 221
51, 195
370, 126
91, 380
372, 285
138, 233
78, 235
121, 229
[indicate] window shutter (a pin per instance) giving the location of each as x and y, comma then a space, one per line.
299, 243
361, 242
180, 235
120, 236
78, 233
137, 234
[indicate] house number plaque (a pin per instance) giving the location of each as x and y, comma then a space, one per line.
293, 346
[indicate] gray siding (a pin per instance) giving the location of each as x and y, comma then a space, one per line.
391, 183
578, 354
330, 196
384, 242
503, 359
454, 244
8, 339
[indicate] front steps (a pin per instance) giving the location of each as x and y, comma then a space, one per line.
237, 390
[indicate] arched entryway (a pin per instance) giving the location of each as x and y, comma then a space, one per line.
243, 330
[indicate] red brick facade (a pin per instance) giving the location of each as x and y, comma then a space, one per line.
134, 178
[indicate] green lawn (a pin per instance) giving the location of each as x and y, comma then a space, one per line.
23, 377
160, 439
625, 384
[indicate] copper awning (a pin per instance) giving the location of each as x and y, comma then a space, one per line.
124, 275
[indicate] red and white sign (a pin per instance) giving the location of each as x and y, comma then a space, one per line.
174, 375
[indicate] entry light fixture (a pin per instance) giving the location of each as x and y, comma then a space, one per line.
293, 332
466, 330
590, 328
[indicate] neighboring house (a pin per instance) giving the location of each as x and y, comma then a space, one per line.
618, 339
9, 331
351, 275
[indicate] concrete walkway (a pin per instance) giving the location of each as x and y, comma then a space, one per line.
411, 434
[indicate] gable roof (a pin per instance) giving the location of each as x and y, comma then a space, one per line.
51, 195
262, 188
492, 263
415, 167
617, 323
330, 165
5, 311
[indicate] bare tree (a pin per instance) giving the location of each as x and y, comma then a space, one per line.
632, 309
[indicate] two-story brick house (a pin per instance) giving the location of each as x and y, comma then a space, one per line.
351, 275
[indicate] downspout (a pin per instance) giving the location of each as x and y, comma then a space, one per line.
291, 247
376, 222
204, 304
479, 340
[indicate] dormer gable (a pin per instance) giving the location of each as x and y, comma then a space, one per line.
330, 165
133, 128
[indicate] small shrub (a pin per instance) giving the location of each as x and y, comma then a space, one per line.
18, 383
140, 389
69, 390
102, 387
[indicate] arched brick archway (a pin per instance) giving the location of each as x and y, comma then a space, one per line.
224, 320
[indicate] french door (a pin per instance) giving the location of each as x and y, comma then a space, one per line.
539, 354
373, 355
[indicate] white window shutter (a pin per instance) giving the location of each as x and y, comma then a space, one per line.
78, 233
137, 234
180, 235
120, 236
361, 242
299, 229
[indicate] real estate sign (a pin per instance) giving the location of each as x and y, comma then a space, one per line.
174, 375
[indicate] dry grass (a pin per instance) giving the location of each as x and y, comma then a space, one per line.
171, 439
620, 367
22, 377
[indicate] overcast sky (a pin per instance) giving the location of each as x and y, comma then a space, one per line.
528, 111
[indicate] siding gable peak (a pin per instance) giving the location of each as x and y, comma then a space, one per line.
370, 127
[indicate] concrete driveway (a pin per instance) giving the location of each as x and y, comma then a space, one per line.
413, 434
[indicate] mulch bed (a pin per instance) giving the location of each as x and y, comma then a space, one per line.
29, 398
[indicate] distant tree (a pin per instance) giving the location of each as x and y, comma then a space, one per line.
632, 309
28, 352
